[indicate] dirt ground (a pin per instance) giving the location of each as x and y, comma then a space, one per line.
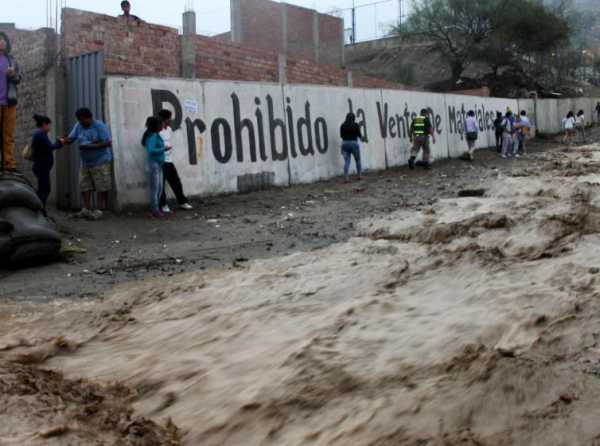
440, 322
227, 230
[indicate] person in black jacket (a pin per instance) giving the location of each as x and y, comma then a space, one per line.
499, 131
350, 133
43, 156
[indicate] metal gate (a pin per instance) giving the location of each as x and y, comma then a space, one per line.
84, 77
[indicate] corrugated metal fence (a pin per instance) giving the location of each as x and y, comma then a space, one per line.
84, 85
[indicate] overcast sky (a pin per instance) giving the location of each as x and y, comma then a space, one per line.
213, 15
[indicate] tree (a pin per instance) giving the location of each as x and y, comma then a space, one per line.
496, 32
455, 27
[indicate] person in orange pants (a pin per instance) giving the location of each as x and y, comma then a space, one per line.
9, 79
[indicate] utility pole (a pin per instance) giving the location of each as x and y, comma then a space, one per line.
353, 21
401, 10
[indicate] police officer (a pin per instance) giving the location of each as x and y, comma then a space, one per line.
420, 130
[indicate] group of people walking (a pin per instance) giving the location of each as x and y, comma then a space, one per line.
574, 127
511, 137
511, 133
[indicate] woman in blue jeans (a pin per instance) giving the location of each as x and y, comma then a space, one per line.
350, 133
155, 147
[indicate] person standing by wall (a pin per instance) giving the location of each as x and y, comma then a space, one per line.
471, 133
43, 156
350, 134
569, 127
10, 77
507, 135
420, 130
580, 126
155, 149
95, 146
524, 131
499, 131
170, 174
598, 111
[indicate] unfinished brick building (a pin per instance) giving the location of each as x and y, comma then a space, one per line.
309, 50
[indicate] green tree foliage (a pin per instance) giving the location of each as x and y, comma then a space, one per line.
497, 32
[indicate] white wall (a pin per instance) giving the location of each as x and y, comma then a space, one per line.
401, 106
211, 159
330, 105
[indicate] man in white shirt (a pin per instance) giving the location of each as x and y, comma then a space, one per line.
169, 170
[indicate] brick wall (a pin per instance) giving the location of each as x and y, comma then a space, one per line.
225, 60
483, 91
331, 40
130, 47
261, 24
35, 52
307, 72
300, 33
288, 29
151, 50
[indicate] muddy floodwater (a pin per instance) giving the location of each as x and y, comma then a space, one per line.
460, 321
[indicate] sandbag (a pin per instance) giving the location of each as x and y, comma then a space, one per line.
34, 252
6, 227
15, 192
27, 236
7, 248
29, 225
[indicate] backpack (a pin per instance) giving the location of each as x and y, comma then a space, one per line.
27, 153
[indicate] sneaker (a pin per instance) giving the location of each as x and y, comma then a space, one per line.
186, 207
83, 213
166, 209
504, 157
427, 166
158, 215
517, 156
96, 214
411, 163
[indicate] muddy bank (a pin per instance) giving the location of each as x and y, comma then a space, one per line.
471, 321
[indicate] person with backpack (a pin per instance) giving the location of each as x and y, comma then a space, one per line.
350, 134
472, 133
420, 131
155, 148
569, 128
170, 174
499, 131
42, 156
508, 131
523, 132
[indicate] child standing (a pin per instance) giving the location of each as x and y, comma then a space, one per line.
155, 148
43, 156
569, 126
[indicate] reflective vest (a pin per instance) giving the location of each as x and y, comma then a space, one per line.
419, 126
